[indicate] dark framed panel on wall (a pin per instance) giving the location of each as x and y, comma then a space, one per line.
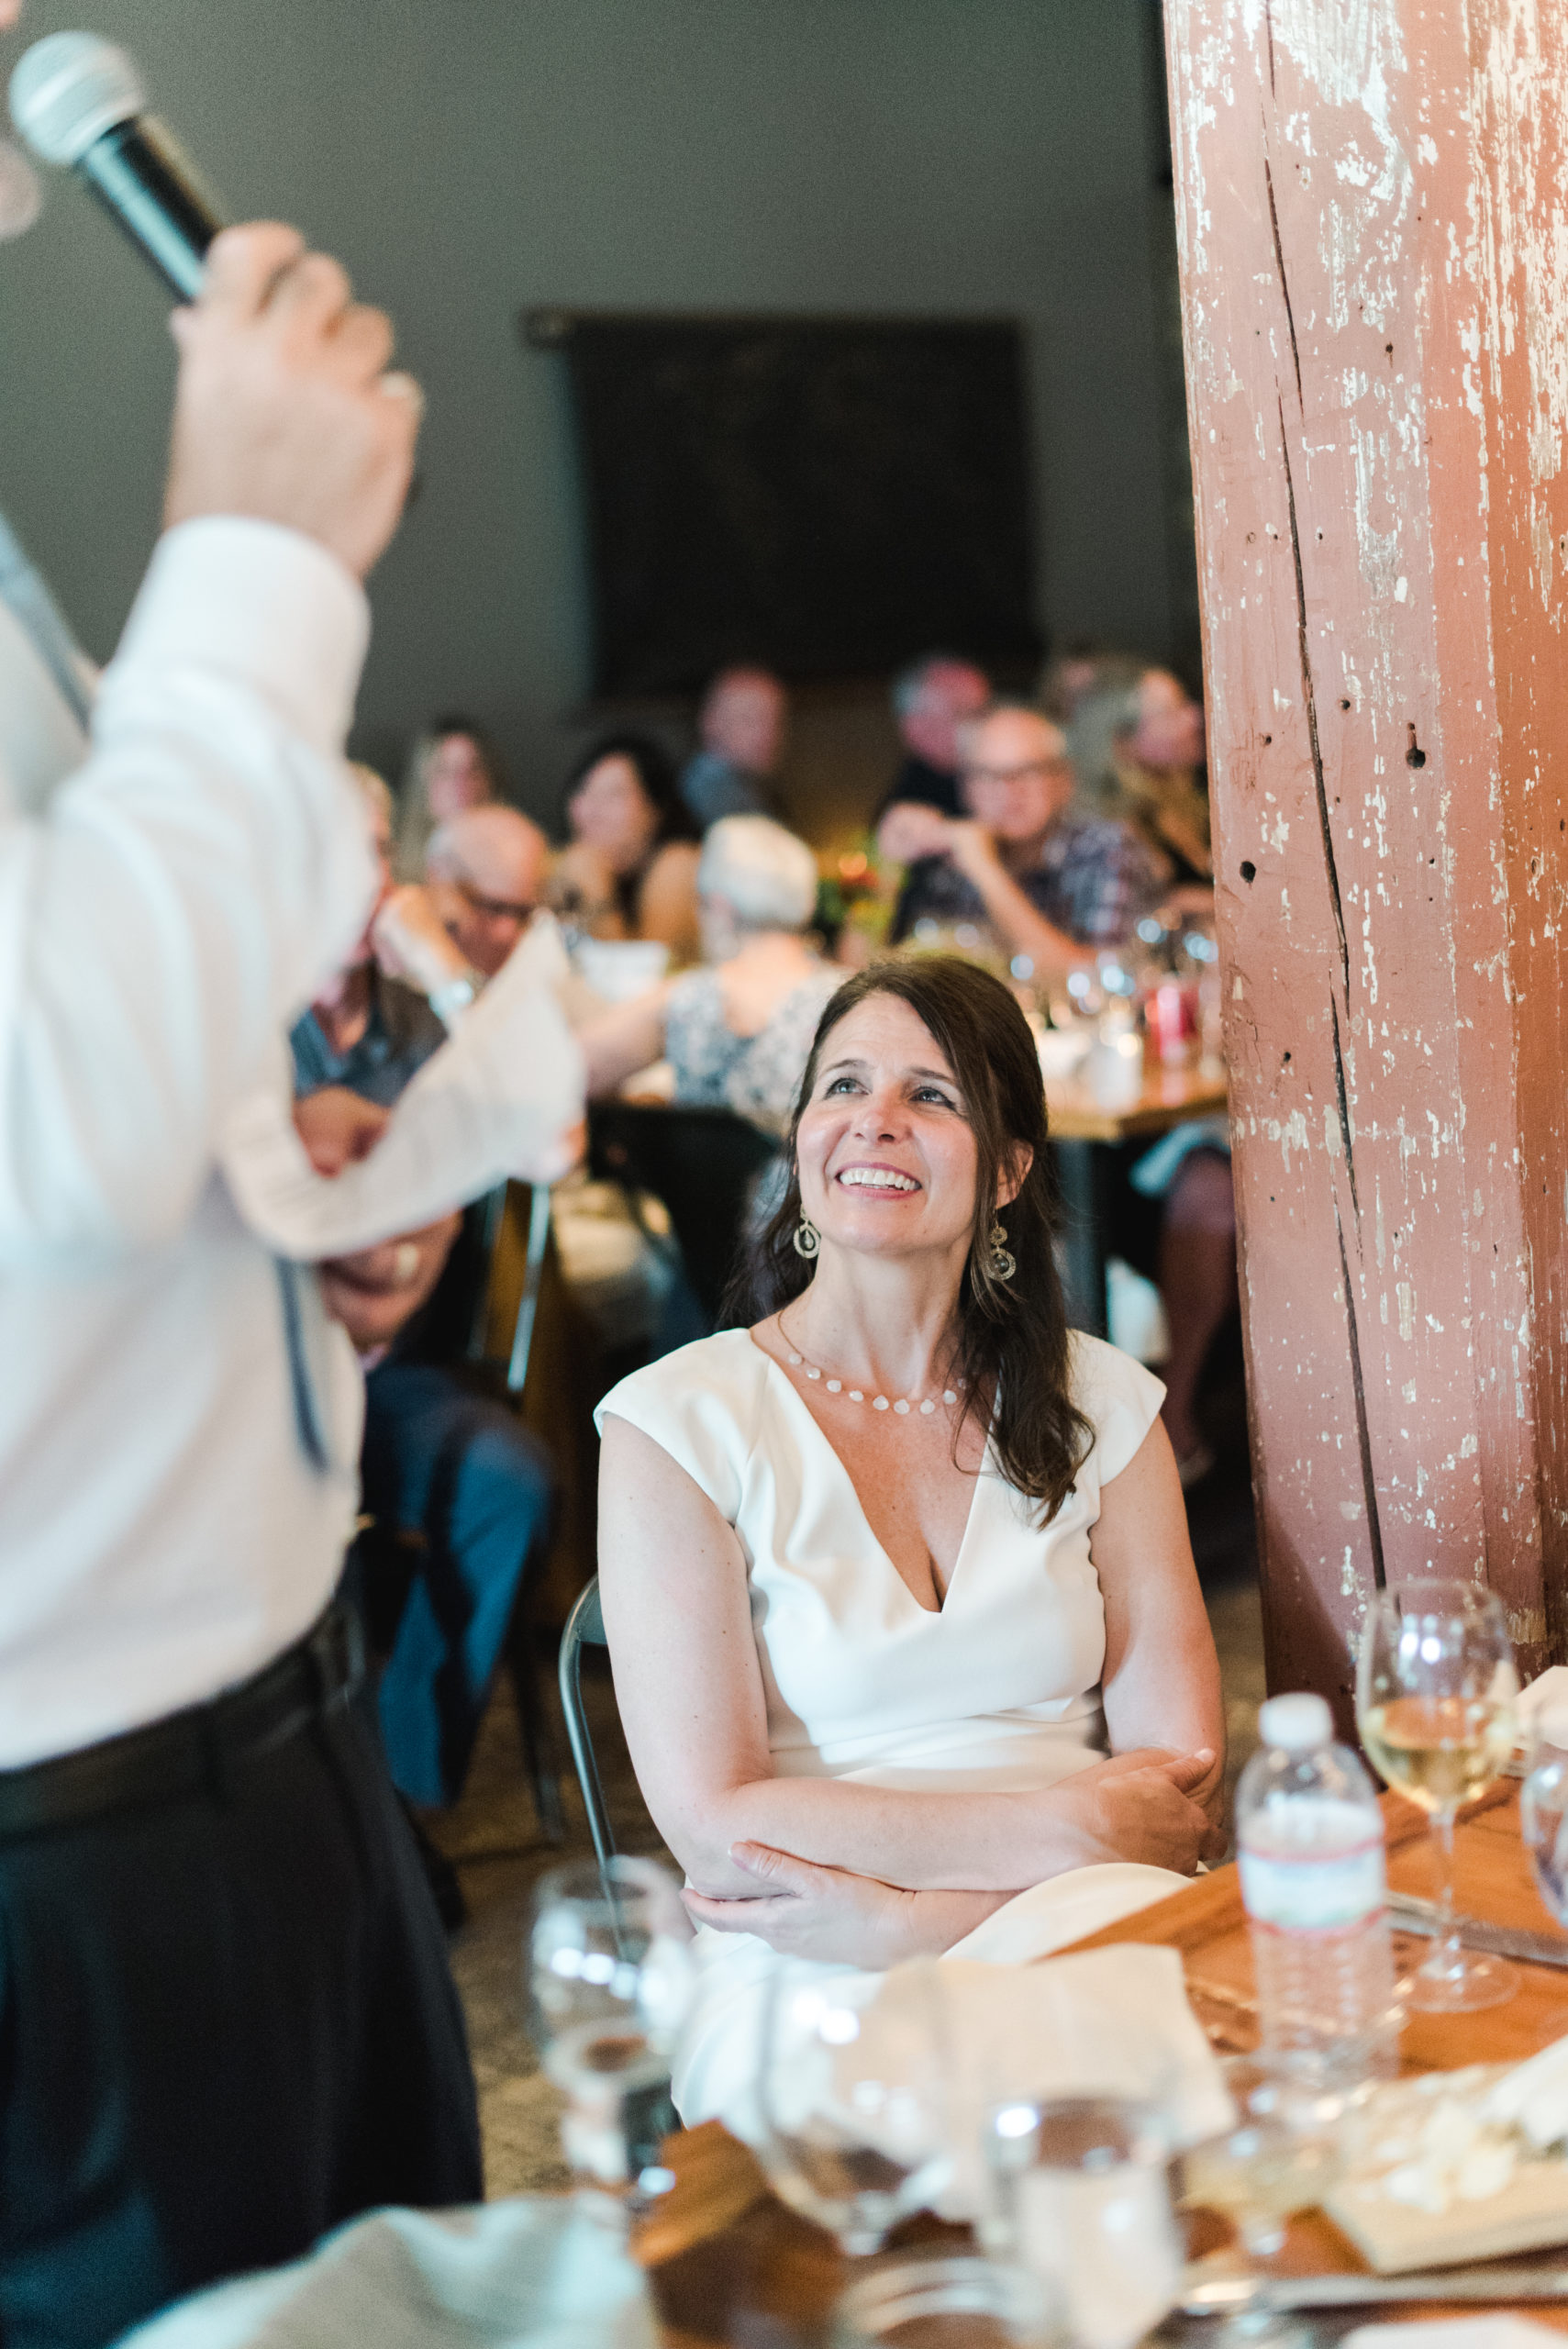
829, 496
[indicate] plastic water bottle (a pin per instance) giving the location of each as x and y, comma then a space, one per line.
1311, 1855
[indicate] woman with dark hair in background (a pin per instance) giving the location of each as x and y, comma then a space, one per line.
452, 766
899, 1594
630, 867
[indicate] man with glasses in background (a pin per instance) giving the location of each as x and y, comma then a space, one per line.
1047, 880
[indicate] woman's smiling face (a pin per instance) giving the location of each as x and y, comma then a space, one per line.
887, 1157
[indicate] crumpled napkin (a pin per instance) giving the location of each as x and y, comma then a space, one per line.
1103, 2022
1543, 1707
536, 2272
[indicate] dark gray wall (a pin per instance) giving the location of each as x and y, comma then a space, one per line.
469, 158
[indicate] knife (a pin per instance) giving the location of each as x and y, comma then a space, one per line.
1226, 2295
1414, 1916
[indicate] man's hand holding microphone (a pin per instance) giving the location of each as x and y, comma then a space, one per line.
284, 409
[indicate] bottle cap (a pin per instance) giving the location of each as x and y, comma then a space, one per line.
1297, 1724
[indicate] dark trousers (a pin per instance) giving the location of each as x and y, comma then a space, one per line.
226, 2023
461, 1469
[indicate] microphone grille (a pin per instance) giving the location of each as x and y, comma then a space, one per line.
71, 88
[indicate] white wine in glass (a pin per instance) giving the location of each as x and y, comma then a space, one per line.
1441, 1751
1437, 1696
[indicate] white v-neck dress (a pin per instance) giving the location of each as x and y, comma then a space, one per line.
998, 1690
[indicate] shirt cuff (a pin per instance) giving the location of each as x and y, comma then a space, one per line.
263, 605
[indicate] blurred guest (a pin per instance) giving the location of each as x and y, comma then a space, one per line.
741, 728
485, 877
931, 701
1080, 668
453, 766
1137, 744
366, 1032
737, 1032
630, 867
437, 1459
1048, 880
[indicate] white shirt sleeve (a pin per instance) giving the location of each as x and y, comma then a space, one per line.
182, 893
501, 1097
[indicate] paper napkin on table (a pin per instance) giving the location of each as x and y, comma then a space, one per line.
1543, 1706
1456, 2332
1104, 2022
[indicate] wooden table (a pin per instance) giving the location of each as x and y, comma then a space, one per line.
729, 2264
1083, 1135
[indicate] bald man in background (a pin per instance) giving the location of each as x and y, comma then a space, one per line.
485, 876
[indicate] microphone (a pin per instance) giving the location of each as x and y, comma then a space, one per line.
78, 100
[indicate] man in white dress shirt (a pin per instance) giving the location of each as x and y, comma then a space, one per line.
226, 2019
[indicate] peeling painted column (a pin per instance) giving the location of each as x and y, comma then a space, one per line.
1373, 210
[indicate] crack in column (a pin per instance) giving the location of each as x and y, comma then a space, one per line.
1344, 1108
1309, 695
1363, 1433
1284, 281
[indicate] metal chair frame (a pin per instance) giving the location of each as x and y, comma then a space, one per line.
585, 1628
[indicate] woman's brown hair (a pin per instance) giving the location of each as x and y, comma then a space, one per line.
1013, 1340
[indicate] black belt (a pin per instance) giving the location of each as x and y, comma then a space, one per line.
189, 1751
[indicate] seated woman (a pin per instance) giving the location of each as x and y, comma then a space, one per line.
453, 767
737, 1032
630, 867
1137, 745
907, 1641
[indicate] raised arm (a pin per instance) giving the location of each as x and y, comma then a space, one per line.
502, 1096
189, 886
689, 1687
628, 1037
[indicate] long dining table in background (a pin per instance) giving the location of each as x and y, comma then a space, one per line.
1083, 1136
729, 2263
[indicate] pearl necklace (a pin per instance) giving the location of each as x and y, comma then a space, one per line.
903, 1406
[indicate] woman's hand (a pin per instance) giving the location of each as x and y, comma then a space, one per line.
1146, 1806
803, 1910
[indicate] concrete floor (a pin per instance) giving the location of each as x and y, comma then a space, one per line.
494, 1838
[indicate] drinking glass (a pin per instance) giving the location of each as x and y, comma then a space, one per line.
1280, 2154
1084, 2189
854, 2102
1544, 1814
610, 1979
1437, 1699
948, 2300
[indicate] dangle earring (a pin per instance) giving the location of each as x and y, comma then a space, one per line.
1002, 1265
807, 1239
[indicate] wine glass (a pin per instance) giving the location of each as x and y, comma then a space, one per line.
1437, 1699
853, 2102
1279, 2155
610, 1979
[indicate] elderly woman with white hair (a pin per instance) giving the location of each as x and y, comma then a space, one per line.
737, 1032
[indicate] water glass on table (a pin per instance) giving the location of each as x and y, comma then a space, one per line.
949, 2300
854, 2103
1080, 2194
1437, 1696
610, 1981
1543, 1813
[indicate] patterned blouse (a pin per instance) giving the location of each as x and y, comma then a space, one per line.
757, 1076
